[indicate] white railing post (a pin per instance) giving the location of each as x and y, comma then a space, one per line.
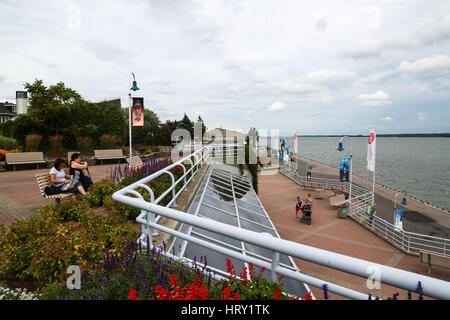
275, 262
150, 217
409, 242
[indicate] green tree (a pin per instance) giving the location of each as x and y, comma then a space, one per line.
187, 124
199, 118
58, 110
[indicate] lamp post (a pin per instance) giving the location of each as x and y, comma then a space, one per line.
341, 148
134, 87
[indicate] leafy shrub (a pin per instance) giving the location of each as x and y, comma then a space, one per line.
8, 143
85, 144
108, 141
32, 142
43, 246
122, 209
100, 191
72, 210
56, 144
142, 148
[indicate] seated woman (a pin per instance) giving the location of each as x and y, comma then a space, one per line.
59, 178
76, 170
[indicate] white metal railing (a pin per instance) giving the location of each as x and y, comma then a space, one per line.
325, 182
150, 210
361, 200
408, 241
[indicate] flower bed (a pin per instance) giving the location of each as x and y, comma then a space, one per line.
4, 152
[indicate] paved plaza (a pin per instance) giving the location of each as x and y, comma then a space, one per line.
345, 236
20, 195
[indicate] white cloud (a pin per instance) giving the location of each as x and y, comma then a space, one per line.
388, 119
325, 77
434, 64
214, 56
378, 98
421, 116
428, 32
277, 106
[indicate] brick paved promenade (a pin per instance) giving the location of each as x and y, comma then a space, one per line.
418, 217
344, 236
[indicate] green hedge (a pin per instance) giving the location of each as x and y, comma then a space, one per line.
8, 143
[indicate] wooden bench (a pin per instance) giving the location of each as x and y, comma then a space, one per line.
337, 200
25, 158
43, 180
109, 154
165, 149
434, 259
69, 156
135, 162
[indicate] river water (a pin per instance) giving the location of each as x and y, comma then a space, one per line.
419, 167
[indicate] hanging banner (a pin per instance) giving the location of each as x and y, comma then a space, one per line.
398, 220
286, 154
371, 148
344, 169
138, 112
296, 143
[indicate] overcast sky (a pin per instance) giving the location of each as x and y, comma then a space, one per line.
332, 67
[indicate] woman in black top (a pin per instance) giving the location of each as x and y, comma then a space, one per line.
76, 170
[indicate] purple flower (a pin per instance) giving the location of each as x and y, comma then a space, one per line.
325, 292
419, 290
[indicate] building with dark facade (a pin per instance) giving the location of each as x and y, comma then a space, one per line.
7, 111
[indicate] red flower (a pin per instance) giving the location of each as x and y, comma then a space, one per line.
226, 293
280, 278
243, 275
230, 270
132, 294
307, 296
252, 270
261, 271
277, 294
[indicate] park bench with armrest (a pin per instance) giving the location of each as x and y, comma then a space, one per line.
135, 162
43, 180
165, 149
338, 200
25, 158
109, 154
434, 259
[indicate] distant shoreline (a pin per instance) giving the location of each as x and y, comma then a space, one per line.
397, 135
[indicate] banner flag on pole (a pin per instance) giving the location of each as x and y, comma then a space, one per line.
296, 143
371, 148
138, 112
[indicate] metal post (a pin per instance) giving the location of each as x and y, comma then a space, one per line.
351, 171
129, 124
275, 262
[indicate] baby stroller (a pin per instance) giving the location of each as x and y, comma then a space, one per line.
306, 218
